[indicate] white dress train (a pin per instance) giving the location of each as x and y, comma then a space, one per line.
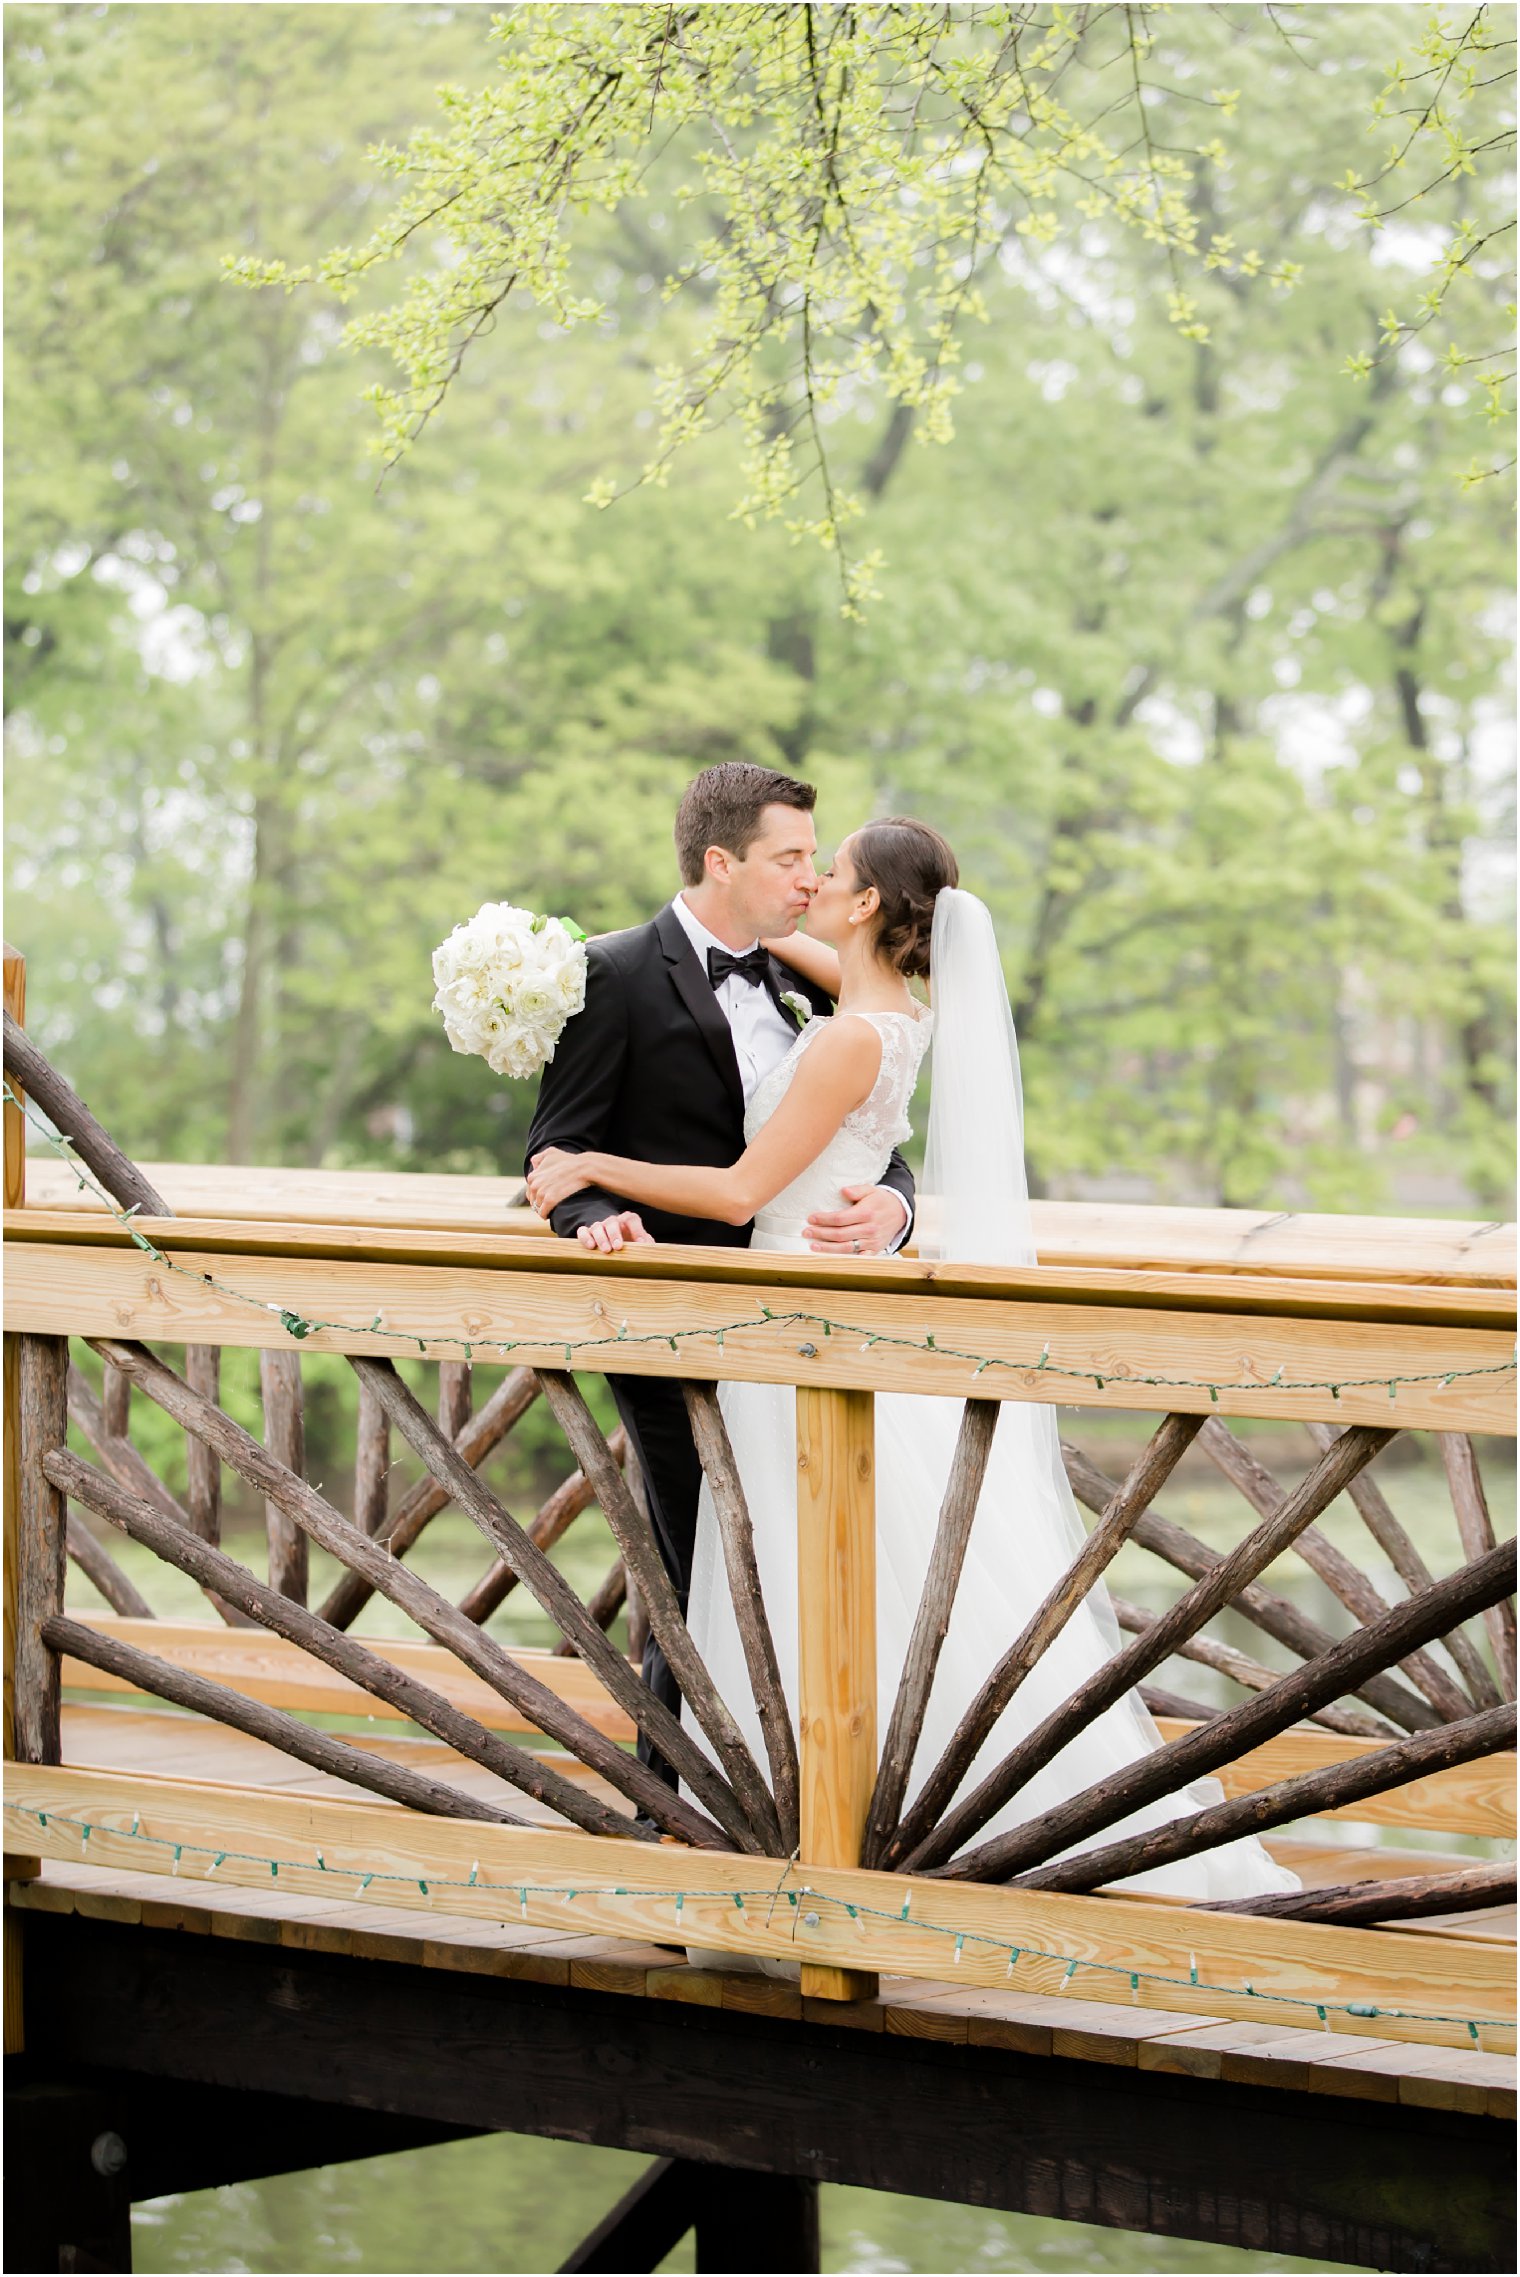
1026, 1533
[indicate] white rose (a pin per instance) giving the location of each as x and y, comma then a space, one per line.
570, 988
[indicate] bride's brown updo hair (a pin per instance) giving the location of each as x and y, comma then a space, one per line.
908, 863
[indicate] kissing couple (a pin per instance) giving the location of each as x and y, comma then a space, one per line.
733, 1083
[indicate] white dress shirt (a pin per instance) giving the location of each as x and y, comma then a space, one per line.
762, 1035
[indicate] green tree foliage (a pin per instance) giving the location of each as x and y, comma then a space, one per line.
270, 727
850, 176
1448, 113
1194, 644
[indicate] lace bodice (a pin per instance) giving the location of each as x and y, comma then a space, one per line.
858, 1152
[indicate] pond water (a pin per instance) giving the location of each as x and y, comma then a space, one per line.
520, 2203
514, 2202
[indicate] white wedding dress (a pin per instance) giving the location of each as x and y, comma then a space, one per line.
1027, 1528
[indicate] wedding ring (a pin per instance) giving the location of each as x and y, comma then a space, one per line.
855, 1245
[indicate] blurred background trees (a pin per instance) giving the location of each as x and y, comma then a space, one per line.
1198, 648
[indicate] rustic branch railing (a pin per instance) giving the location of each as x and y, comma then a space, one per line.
1272, 1614
818, 1791
1256, 1720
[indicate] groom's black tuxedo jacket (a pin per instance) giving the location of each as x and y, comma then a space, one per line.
648, 1070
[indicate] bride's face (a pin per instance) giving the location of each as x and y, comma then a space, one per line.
842, 906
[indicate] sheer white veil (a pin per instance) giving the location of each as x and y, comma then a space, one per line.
973, 1207
974, 1200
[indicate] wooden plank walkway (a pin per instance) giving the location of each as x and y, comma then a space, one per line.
1150, 2040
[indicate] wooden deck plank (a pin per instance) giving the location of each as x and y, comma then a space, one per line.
164, 1741
1279, 2062
1470, 1798
278, 1672
1198, 2050
1495, 1925
1439, 2078
1478, 1799
1325, 1864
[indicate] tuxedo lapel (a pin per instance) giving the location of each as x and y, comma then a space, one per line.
783, 981
695, 991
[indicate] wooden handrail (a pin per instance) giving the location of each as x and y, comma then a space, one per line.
1133, 1237
542, 1296
1094, 1285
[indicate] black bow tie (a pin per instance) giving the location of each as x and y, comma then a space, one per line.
754, 966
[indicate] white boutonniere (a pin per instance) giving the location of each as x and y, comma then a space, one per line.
798, 1006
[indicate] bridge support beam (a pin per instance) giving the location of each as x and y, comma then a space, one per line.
743, 2221
1385, 2185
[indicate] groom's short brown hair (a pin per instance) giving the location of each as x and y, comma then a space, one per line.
722, 807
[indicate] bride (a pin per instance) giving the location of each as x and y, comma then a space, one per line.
889, 910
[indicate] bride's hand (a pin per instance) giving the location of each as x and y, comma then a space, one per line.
555, 1175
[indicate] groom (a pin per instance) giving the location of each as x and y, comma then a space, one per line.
683, 1018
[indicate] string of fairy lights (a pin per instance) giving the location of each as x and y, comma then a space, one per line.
805, 1910
582, 1350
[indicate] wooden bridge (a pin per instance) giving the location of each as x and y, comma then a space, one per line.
247, 1931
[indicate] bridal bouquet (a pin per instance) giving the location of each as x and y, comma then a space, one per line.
506, 984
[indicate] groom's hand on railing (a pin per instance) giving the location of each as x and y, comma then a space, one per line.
876, 1219
612, 1234
554, 1175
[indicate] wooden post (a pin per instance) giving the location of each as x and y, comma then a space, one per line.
836, 1624
16, 1868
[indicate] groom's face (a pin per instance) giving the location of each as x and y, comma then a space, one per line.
772, 886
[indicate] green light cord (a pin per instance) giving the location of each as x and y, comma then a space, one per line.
728, 1895
298, 1326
